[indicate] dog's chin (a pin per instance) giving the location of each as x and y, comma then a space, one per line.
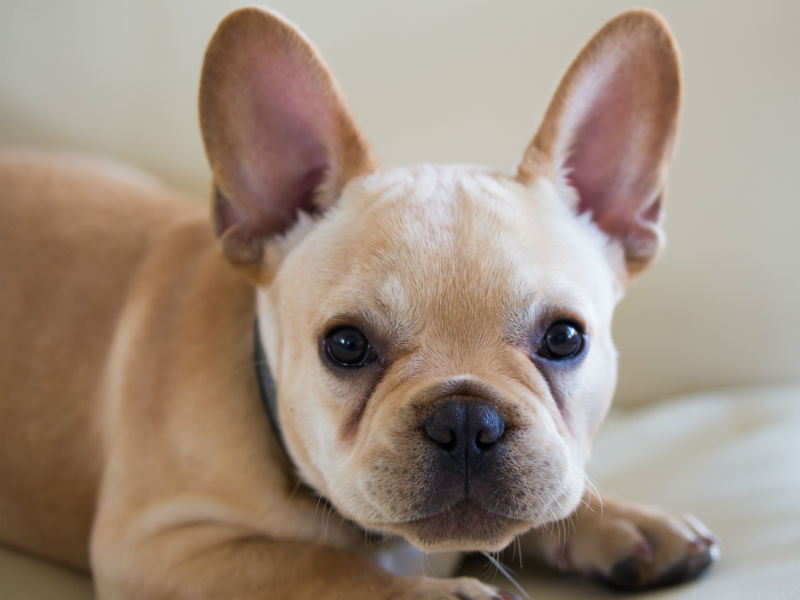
465, 527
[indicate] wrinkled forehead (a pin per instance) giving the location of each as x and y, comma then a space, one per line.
465, 242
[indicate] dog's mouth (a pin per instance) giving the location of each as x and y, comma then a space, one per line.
462, 526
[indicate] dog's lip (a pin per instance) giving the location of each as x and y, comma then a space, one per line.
465, 505
461, 516
468, 507
460, 507
466, 502
463, 523
456, 507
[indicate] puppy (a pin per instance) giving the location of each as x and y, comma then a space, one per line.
431, 359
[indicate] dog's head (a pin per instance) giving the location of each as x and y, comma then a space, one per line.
440, 336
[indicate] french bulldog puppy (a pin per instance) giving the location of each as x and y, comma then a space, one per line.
431, 360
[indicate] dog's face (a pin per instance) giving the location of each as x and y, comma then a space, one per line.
440, 336
441, 342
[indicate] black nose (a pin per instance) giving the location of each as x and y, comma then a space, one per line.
464, 431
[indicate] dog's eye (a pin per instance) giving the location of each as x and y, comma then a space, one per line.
346, 346
562, 340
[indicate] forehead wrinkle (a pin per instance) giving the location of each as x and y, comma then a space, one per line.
390, 297
445, 260
473, 294
459, 251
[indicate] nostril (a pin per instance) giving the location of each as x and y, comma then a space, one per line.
445, 425
489, 426
457, 427
441, 435
448, 444
487, 438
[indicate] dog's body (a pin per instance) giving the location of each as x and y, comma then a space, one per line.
131, 420
92, 230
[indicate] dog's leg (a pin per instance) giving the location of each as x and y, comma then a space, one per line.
628, 545
205, 561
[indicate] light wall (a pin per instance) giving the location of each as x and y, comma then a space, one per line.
467, 81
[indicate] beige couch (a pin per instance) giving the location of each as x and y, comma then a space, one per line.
450, 81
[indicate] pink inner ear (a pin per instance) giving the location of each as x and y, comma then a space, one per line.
615, 153
284, 146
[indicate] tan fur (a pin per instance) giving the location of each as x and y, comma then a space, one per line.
133, 440
72, 240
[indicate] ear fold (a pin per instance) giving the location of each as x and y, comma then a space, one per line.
278, 133
608, 133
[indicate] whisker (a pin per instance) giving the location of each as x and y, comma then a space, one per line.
297, 485
499, 566
594, 491
426, 564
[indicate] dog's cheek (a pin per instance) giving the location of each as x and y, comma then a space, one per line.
314, 408
397, 483
595, 391
582, 395
382, 474
302, 429
540, 475
310, 420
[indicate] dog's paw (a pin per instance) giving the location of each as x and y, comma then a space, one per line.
632, 546
459, 588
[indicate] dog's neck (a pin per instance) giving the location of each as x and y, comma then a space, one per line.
266, 387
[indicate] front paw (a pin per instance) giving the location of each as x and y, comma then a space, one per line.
459, 588
632, 546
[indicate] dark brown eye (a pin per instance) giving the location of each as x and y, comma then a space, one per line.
346, 346
562, 340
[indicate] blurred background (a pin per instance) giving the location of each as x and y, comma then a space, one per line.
468, 81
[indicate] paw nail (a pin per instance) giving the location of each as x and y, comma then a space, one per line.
698, 545
714, 552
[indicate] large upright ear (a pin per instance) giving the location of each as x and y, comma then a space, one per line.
277, 131
608, 133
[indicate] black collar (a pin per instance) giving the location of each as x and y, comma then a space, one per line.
266, 387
